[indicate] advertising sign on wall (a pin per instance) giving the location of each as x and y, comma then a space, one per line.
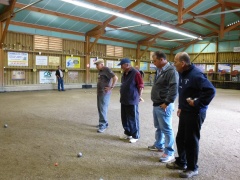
47, 77
18, 75
73, 75
144, 66
41, 60
92, 61
17, 59
53, 61
72, 62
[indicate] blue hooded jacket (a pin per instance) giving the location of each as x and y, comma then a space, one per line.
194, 84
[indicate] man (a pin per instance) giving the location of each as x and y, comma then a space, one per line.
163, 95
59, 74
106, 82
195, 94
130, 95
141, 72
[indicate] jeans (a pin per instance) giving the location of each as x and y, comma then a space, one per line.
102, 105
187, 139
130, 120
60, 83
164, 135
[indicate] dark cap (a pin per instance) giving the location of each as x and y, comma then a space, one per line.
124, 61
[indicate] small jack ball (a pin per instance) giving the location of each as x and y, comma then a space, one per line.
79, 154
5, 125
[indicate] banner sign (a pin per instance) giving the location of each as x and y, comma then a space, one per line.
18, 75
53, 61
17, 59
92, 61
72, 62
41, 60
47, 77
73, 75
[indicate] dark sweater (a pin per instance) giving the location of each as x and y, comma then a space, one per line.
165, 87
129, 90
194, 84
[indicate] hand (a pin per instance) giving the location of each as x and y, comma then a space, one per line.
190, 102
141, 99
178, 112
163, 106
107, 89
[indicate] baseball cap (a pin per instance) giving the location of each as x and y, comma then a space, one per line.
124, 61
99, 61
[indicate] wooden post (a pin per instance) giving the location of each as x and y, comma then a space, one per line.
87, 59
1, 59
216, 57
171, 57
138, 55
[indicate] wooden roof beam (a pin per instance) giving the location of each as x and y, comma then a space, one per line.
231, 27
187, 10
221, 32
232, 4
9, 10
208, 27
180, 11
54, 13
139, 15
192, 13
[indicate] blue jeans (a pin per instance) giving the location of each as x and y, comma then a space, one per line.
60, 83
164, 134
102, 105
130, 120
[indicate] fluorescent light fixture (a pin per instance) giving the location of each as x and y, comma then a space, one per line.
93, 7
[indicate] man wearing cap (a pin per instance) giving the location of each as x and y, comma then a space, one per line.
130, 95
106, 82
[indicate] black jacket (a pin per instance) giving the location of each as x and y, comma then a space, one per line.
58, 73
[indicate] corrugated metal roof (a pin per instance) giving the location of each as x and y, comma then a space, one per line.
145, 10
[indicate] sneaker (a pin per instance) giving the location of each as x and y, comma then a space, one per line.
101, 129
166, 158
154, 148
125, 137
174, 165
133, 140
188, 173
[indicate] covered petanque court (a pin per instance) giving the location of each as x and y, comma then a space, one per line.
48, 127
46, 134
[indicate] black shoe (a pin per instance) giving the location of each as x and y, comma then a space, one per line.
174, 165
188, 173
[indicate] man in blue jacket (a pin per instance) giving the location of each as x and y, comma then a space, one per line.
195, 94
130, 95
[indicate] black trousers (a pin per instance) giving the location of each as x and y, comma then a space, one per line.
188, 137
130, 120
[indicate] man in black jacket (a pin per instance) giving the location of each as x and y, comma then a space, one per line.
195, 94
163, 95
60, 75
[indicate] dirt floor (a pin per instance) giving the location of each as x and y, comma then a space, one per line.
48, 127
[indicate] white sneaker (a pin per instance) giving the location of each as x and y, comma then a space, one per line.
125, 137
132, 140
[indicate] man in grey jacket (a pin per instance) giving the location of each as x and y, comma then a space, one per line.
163, 95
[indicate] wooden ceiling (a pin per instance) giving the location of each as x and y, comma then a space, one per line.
185, 16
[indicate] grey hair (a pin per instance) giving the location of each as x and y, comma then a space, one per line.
183, 56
